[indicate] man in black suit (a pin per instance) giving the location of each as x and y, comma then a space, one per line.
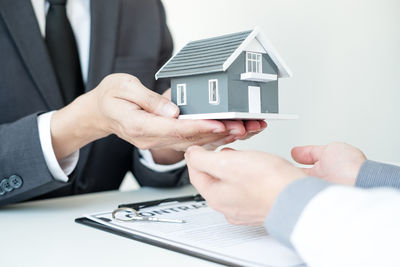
53, 53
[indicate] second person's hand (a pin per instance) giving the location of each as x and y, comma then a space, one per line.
337, 162
242, 185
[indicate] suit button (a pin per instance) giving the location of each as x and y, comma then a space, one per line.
15, 181
6, 185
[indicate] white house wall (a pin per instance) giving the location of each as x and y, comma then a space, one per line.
255, 46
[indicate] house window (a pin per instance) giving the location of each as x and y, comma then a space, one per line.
213, 95
253, 62
181, 94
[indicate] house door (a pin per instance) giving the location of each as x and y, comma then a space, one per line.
254, 99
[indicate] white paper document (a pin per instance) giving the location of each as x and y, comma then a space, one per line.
205, 232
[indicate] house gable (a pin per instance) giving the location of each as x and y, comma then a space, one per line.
255, 46
283, 69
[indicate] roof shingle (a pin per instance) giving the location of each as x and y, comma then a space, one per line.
203, 56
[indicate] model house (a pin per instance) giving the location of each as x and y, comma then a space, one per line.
230, 76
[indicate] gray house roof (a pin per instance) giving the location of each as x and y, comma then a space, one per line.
216, 54
203, 56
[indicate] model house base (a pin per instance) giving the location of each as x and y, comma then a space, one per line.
238, 116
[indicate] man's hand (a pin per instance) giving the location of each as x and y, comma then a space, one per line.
336, 162
241, 185
121, 105
238, 130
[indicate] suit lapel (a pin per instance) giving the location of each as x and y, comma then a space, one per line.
104, 29
29, 41
24, 29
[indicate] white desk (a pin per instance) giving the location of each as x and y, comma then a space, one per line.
43, 233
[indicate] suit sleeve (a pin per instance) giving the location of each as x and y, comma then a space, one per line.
166, 49
148, 177
375, 174
23, 170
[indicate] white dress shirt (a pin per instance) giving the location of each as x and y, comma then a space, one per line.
78, 13
333, 225
344, 226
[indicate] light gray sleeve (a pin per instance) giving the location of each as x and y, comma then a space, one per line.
375, 174
289, 205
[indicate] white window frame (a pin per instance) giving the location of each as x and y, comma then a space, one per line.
181, 88
255, 60
210, 100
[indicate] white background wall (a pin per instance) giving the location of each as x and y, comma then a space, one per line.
345, 56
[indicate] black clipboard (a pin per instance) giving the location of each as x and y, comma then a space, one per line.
91, 223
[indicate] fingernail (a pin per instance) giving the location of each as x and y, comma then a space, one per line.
264, 125
170, 110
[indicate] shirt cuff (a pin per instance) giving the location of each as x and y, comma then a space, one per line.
148, 161
375, 174
58, 169
289, 205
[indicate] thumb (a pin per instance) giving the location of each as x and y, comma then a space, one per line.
203, 182
307, 154
157, 104
167, 94
148, 100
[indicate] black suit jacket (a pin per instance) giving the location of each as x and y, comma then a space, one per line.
128, 36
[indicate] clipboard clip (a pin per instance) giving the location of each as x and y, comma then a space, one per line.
147, 204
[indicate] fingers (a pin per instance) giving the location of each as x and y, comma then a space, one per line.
216, 164
252, 126
250, 135
307, 154
211, 141
244, 129
263, 124
235, 127
203, 182
208, 141
156, 126
220, 142
146, 130
255, 125
194, 128
133, 91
